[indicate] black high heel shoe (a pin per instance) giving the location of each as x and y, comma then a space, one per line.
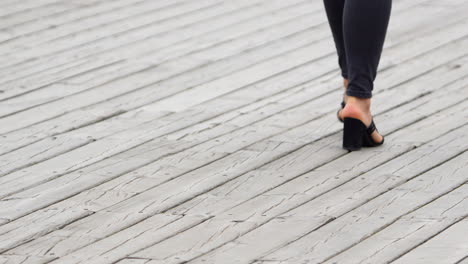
356, 135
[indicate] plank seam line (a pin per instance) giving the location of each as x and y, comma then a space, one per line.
56, 82
145, 12
72, 5
462, 260
194, 69
228, 57
374, 197
398, 218
110, 11
165, 210
429, 238
55, 53
172, 59
180, 56
332, 217
23, 10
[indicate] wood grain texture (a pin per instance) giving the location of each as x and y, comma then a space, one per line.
450, 246
140, 131
410, 231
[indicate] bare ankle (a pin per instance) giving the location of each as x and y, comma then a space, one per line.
357, 108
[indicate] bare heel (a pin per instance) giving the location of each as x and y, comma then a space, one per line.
353, 133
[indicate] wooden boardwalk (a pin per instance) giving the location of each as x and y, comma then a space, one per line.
179, 131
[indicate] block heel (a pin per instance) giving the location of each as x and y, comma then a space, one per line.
353, 134
356, 135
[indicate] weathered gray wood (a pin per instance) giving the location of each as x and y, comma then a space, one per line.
142, 78
157, 37
34, 14
50, 23
67, 24
10, 8
71, 160
23, 259
36, 81
288, 196
82, 99
145, 42
138, 64
75, 55
15, 232
409, 231
133, 261
64, 119
267, 123
252, 69
450, 246
130, 141
145, 241
303, 233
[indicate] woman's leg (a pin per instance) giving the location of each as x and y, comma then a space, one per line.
365, 25
334, 10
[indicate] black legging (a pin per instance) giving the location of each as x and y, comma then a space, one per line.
359, 28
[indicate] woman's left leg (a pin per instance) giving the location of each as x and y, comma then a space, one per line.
334, 10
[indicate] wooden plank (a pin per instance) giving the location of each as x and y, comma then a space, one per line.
12, 8
41, 242
119, 87
15, 259
236, 190
8, 186
271, 203
133, 261
25, 157
139, 65
210, 225
121, 45
126, 50
31, 147
409, 231
138, 135
108, 109
39, 96
18, 232
99, 10
450, 246
253, 70
23, 70
34, 14
95, 28
310, 229
93, 111
212, 153
35, 96
134, 13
